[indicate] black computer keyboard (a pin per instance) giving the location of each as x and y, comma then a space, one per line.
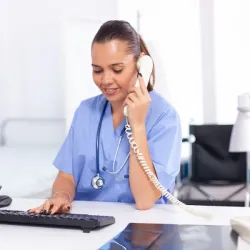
84, 221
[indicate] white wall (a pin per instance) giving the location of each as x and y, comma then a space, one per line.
128, 10
32, 75
172, 28
204, 50
232, 55
201, 50
32, 67
79, 83
209, 103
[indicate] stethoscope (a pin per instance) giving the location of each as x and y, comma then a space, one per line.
98, 181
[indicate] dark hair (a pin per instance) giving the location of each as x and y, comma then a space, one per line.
123, 31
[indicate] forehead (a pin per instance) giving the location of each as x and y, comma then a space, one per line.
110, 52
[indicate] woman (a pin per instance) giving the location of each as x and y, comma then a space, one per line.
154, 123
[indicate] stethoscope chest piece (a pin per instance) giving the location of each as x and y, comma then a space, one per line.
97, 182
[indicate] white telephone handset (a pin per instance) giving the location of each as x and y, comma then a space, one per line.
145, 67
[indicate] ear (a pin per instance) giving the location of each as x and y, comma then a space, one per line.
142, 54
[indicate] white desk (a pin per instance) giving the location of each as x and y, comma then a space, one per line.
40, 238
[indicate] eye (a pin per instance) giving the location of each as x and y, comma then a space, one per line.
118, 71
97, 71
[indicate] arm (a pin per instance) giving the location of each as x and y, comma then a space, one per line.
64, 187
64, 184
161, 148
143, 189
63, 192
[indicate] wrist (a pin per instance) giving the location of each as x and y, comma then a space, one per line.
62, 195
138, 127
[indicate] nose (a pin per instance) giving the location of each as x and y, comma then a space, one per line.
107, 78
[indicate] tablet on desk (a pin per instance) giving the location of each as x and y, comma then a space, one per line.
139, 236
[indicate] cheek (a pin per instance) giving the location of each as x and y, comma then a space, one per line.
133, 80
97, 79
127, 80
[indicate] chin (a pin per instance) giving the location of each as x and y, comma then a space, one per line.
116, 97
115, 100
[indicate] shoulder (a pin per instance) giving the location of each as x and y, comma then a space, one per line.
161, 109
163, 119
89, 107
92, 103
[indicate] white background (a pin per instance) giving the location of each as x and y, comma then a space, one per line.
201, 50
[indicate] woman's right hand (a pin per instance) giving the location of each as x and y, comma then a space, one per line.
52, 206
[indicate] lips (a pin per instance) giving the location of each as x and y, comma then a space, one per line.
110, 91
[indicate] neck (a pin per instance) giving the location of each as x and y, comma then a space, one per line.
117, 108
117, 113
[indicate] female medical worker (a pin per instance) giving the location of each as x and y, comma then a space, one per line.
96, 162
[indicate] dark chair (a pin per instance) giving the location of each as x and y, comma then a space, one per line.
213, 170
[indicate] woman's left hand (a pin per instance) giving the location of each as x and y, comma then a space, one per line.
138, 101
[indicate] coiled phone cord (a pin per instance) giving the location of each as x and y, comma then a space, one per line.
154, 179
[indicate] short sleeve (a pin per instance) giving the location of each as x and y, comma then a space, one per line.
64, 159
164, 142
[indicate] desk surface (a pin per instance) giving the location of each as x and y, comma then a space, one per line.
22, 237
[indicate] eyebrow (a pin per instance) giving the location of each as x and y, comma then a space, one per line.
114, 64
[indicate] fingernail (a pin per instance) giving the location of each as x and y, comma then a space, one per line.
140, 74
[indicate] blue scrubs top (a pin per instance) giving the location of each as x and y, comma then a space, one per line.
77, 156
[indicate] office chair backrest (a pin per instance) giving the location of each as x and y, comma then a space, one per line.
211, 159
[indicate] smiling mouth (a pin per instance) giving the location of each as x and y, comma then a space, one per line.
110, 91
